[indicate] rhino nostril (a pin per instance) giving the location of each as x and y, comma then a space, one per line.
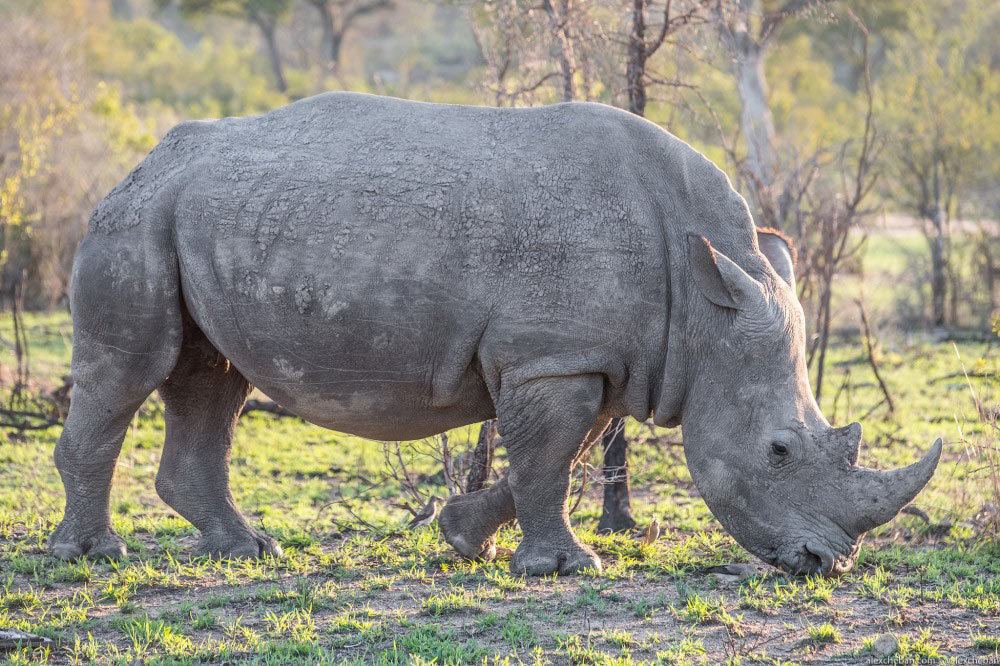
819, 559
810, 563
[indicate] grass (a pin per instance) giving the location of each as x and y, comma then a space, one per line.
355, 586
823, 633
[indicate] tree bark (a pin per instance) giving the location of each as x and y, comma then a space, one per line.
330, 44
482, 457
635, 67
336, 18
268, 28
939, 279
757, 126
756, 120
617, 514
559, 21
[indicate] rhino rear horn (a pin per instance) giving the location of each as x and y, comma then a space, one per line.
848, 441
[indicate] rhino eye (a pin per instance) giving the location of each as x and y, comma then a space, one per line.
779, 449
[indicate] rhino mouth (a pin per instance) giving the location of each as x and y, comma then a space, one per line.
814, 557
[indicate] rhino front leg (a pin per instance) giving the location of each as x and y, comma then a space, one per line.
547, 425
470, 522
203, 397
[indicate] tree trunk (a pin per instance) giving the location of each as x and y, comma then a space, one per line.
635, 68
482, 457
336, 44
954, 288
268, 28
330, 44
989, 272
757, 127
617, 515
939, 279
559, 22
939, 282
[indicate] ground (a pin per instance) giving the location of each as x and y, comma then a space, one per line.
355, 585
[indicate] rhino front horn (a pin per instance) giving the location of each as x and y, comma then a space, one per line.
880, 495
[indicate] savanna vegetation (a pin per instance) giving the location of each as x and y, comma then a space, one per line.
868, 132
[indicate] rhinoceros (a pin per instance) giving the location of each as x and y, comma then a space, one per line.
394, 269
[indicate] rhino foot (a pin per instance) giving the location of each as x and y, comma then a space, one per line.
107, 545
464, 528
540, 559
470, 522
244, 544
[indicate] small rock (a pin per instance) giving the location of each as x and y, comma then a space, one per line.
885, 646
731, 574
735, 571
14, 639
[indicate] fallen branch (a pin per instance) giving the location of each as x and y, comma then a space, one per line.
960, 375
21, 420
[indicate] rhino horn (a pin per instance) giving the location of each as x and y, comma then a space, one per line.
848, 441
880, 495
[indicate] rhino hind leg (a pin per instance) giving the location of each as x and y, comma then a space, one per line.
126, 335
470, 522
203, 397
85, 457
548, 424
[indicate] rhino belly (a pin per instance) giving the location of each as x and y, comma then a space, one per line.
354, 341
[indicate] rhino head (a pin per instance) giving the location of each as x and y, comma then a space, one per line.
773, 471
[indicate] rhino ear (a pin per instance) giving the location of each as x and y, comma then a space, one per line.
719, 279
780, 253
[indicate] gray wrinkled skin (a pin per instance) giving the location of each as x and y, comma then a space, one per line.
395, 269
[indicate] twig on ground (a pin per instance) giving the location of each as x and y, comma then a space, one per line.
960, 375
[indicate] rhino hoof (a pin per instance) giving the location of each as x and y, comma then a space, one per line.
467, 537
247, 545
546, 560
484, 552
105, 547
